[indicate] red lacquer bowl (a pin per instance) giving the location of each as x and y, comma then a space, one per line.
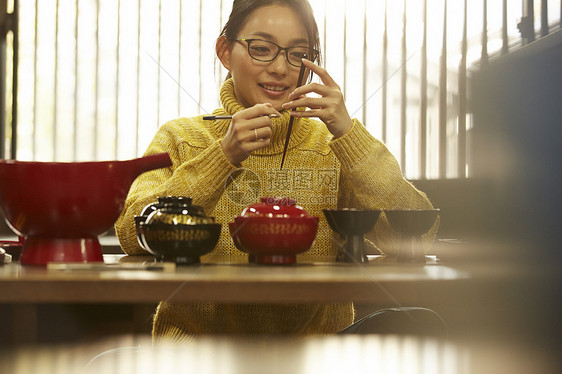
61, 207
274, 231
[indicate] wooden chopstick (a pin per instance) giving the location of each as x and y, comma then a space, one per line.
292, 119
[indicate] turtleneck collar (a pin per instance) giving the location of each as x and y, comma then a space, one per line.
230, 105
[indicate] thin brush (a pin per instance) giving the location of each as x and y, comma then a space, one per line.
229, 117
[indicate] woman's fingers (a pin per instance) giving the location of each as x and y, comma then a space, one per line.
330, 107
321, 72
256, 111
262, 133
305, 102
249, 129
316, 88
328, 84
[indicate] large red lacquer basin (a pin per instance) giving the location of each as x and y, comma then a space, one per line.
273, 240
60, 208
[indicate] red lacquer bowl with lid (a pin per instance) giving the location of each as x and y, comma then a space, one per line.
274, 231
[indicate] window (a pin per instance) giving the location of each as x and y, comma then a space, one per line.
97, 77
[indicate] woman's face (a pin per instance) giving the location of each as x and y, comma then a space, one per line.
266, 82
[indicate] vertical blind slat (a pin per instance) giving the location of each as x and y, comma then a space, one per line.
484, 54
403, 94
384, 71
423, 97
3, 64
531, 15
159, 62
180, 54
8, 25
15, 31
461, 148
544, 18
35, 86
504, 28
528, 21
75, 103
200, 37
137, 105
364, 81
96, 88
325, 30
55, 85
443, 100
344, 54
117, 73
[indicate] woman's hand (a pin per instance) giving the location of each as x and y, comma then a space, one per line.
249, 129
329, 107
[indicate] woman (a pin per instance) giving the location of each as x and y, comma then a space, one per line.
330, 163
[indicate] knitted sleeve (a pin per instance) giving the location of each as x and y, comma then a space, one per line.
371, 178
199, 170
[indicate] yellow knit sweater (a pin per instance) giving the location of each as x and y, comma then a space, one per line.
355, 170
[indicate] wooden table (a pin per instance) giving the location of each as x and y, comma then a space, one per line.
237, 283
492, 297
379, 281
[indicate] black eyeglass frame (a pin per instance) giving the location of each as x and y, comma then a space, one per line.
248, 41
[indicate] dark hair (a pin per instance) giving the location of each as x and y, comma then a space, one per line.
241, 9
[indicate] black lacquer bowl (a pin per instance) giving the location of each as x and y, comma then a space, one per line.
352, 224
414, 222
175, 230
180, 243
411, 225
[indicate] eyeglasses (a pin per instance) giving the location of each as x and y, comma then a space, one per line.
266, 51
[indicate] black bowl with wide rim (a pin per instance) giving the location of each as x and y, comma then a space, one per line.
182, 244
352, 224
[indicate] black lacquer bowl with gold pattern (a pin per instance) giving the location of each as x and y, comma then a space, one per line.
179, 232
